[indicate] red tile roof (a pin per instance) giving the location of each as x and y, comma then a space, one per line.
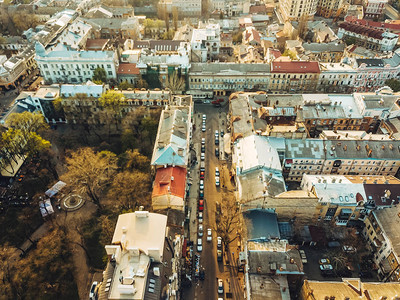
128, 69
172, 177
258, 9
295, 67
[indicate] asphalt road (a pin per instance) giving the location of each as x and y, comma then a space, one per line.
207, 289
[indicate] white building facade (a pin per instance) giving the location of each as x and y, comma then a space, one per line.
63, 65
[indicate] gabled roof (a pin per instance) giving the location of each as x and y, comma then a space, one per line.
128, 69
295, 67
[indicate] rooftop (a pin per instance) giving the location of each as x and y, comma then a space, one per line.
295, 67
170, 181
228, 68
352, 288
261, 224
128, 69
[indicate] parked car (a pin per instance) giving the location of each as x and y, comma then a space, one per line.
220, 286
324, 261
203, 141
216, 171
219, 255
216, 181
216, 134
204, 117
203, 148
216, 152
201, 194
199, 245
202, 175
203, 127
326, 267
200, 230
222, 133
209, 235
201, 184
200, 217
219, 242
202, 156
201, 205
303, 256
349, 249
93, 291
216, 142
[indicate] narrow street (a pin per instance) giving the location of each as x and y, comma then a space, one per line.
227, 269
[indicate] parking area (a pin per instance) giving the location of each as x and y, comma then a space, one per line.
344, 264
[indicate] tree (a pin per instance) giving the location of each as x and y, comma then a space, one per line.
130, 189
89, 172
175, 17
168, 35
394, 84
228, 219
175, 83
112, 101
124, 85
27, 122
99, 76
350, 40
303, 26
23, 21
237, 37
133, 160
142, 84
290, 53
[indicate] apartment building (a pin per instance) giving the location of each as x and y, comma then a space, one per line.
293, 10
336, 78
370, 38
205, 42
349, 289
214, 79
331, 52
171, 147
231, 8
381, 234
313, 156
374, 9
329, 8
294, 76
62, 64
185, 8
345, 199
372, 74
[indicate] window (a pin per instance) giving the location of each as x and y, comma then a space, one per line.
110, 73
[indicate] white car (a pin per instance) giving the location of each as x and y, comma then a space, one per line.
200, 231
93, 291
216, 181
203, 141
202, 156
216, 134
220, 286
201, 184
216, 171
204, 117
209, 235
200, 217
199, 245
203, 127
219, 242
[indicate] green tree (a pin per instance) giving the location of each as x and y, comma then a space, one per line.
350, 40
90, 172
168, 35
112, 101
290, 53
175, 83
124, 85
27, 122
394, 84
99, 76
133, 160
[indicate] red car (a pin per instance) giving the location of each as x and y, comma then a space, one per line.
201, 205
202, 175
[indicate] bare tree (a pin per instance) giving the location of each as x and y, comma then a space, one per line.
228, 219
175, 83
